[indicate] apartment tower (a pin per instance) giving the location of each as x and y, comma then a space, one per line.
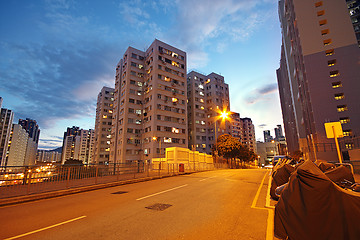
103, 121
248, 133
149, 103
320, 67
208, 96
6, 120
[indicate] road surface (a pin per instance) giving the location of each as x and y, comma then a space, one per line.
222, 204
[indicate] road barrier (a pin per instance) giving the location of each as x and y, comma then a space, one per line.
25, 180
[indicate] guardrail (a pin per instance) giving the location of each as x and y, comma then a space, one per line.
24, 180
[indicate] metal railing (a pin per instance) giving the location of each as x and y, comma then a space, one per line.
25, 180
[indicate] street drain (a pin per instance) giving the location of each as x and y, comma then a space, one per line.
159, 207
120, 192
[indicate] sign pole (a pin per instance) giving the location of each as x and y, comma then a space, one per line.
337, 145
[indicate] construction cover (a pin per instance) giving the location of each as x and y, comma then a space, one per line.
314, 207
324, 166
280, 176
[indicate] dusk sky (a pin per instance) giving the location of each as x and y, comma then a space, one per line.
55, 56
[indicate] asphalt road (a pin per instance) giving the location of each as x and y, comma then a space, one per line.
223, 204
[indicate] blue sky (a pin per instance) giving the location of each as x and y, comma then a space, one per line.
55, 55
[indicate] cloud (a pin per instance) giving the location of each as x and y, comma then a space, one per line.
262, 125
261, 93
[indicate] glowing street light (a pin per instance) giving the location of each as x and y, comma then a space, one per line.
224, 115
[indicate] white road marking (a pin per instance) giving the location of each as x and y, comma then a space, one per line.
42, 229
171, 189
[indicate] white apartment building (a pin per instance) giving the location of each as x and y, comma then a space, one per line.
79, 146
248, 134
207, 97
18, 147
48, 156
150, 103
103, 121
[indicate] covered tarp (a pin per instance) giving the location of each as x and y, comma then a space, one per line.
314, 207
340, 174
280, 176
324, 166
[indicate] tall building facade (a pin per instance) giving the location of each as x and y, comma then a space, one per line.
208, 95
103, 122
149, 103
321, 55
33, 131
18, 148
6, 120
248, 134
236, 126
78, 145
48, 156
267, 136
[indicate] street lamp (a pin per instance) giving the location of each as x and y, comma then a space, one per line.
223, 116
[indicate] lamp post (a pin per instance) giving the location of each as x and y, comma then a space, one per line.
223, 115
158, 139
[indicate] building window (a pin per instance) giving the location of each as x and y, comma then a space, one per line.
327, 42
325, 31
336, 84
339, 96
344, 120
331, 62
347, 133
320, 13
329, 52
342, 108
334, 73
349, 145
322, 22
318, 4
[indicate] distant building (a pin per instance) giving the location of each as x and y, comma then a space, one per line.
248, 134
6, 120
267, 136
78, 146
279, 136
320, 66
103, 121
33, 131
1, 100
207, 95
48, 156
236, 126
266, 151
149, 102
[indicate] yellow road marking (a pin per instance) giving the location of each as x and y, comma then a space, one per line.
42, 229
161, 192
270, 220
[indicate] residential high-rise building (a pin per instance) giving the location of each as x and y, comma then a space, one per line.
6, 120
208, 95
48, 156
236, 126
279, 136
31, 127
78, 145
267, 136
149, 103
354, 11
248, 133
1, 100
33, 131
103, 121
320, 55
18, 147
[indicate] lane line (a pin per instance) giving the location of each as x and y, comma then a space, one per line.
203, 179
270, 219
171, 189
258, 192
42, 229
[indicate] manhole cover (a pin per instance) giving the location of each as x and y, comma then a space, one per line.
159, 207
120, 192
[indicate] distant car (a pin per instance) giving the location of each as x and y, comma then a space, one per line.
268, 166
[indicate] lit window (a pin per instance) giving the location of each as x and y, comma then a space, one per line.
349, 145
347, 133
201, 86
167, 79
344, 120
339, 96
174, 99
322, 22
324, 32
342, 108
329, 52
175, 64
331, 62
334, 73
202, 107
104, 116
175, 130
327, 42
318, 4
336, 84
320, 13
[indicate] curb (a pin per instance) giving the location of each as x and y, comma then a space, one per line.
53, 194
